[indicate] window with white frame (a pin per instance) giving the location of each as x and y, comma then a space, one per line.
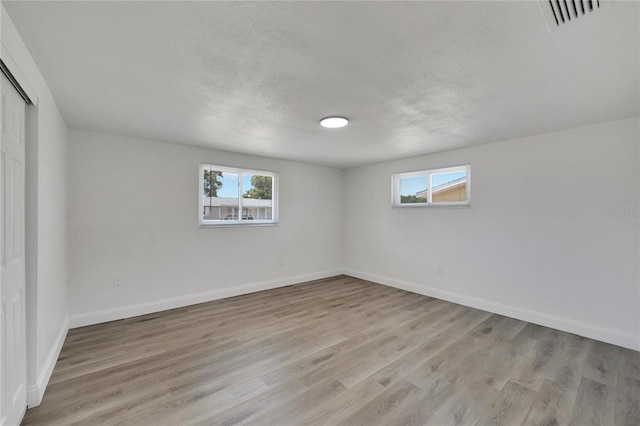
230, 196
450, 186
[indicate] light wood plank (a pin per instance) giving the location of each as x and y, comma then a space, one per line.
627, 411
510, 408
594, 404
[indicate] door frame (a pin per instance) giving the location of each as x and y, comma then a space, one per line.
30, 301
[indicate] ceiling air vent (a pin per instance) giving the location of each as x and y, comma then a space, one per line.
562, 12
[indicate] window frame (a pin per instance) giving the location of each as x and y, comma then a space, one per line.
206, 223
397, 177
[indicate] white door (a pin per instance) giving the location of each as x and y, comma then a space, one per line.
13, 377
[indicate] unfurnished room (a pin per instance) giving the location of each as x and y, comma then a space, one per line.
283, 213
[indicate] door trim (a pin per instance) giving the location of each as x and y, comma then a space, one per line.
36, 392
14, 82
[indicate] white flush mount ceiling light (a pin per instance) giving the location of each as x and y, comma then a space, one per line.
334, 122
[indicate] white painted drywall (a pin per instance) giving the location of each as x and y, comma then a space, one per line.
47, 183
134, 214
542, 241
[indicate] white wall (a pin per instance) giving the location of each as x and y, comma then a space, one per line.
134, 213
537, 242
46, 191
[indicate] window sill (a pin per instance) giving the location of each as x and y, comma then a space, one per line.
432, 206
236, 225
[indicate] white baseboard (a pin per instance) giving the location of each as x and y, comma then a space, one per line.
90, 318
36, 392
607, 335
603, 334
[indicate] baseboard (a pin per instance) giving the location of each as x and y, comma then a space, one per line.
603, 334
36, 392
614, 337
90, 318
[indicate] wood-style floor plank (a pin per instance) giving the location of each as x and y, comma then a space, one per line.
510, 407
552, 405
627, 411
336, 351
594, 404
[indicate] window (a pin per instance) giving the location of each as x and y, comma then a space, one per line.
231, 196
450, 186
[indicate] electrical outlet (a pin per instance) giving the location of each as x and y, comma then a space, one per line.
439, 270
117, 281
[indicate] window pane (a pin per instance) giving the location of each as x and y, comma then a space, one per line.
220, 192
257, 197
413, 190
449, 187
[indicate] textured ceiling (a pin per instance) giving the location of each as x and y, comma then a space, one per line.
414, 77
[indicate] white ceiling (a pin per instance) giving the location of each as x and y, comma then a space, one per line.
414, 77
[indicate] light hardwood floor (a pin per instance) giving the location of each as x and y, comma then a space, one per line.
339, 351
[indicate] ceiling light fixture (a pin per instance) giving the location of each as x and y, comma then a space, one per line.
334, 122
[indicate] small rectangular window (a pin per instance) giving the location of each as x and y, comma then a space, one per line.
449, 186
231, 196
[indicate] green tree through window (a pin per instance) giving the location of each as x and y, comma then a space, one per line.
212, 183
404, 199
260, 188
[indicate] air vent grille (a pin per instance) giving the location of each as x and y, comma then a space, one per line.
561, 12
